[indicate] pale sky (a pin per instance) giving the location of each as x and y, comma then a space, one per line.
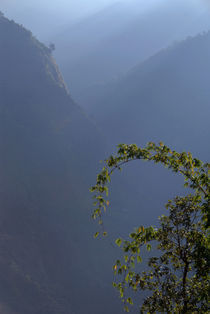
44, 17
75, 8
71, 8
50, 14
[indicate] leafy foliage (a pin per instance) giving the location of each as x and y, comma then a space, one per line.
177, 279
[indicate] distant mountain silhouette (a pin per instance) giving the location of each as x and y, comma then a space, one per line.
164, 98
107, 44
49, 152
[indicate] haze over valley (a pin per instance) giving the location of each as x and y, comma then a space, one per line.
76, 79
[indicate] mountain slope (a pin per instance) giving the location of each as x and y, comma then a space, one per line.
47, 162
107, 44
164, 98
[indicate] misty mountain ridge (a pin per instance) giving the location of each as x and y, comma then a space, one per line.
49, 262
48, 159
107, 44
165, 97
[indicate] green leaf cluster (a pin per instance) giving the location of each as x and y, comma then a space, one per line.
178, 278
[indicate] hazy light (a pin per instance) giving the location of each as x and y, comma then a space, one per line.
45, 18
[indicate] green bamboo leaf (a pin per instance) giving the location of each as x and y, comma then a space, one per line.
96, 235
118, 242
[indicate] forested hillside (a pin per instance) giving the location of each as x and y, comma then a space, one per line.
48, 159
166, 97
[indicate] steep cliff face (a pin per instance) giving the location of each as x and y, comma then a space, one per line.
47, 147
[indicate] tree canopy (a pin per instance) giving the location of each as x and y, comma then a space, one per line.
177, 277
